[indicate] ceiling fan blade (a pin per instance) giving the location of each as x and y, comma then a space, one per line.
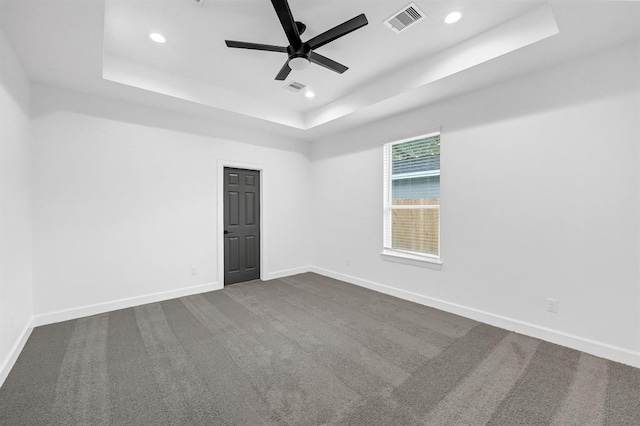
287, 22
284, 72
327, 63
255, 46
338, 31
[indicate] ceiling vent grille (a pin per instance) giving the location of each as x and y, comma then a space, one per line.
294, 86
199, 2
404, 18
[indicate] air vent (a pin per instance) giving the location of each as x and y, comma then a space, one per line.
405, 18
199, 2
294, 86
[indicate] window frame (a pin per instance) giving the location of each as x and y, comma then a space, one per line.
398, 255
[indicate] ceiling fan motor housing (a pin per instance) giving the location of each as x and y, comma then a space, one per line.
301, 52
299, 58
301, 27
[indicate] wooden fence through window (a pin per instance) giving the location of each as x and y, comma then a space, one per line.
417, 229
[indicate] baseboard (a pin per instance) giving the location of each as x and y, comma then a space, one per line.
99, 308
13, 354
287, 273
600, 349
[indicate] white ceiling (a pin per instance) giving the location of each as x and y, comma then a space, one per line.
75, 43
195, 49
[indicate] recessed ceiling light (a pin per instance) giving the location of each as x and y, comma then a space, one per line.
453, 17
309, 94
158, 38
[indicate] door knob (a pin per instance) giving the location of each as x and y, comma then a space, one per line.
226, 232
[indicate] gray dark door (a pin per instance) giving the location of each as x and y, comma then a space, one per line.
241, 225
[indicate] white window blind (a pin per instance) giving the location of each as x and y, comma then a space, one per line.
412, 196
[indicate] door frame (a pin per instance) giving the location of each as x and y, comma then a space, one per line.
220, 193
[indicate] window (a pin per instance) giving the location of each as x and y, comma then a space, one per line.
412, 198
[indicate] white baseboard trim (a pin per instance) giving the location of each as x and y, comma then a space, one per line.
13, 354
593, 347
287, 273
99, 308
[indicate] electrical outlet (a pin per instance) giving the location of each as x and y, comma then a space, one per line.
347, 261
194, 270
552, 305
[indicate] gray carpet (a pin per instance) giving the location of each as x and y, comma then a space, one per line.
306, 350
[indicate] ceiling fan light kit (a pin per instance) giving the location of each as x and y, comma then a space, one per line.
299, 63
301, 54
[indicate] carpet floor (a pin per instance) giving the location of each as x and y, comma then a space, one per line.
306, 350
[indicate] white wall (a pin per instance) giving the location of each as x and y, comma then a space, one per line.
540, 198
125, 199
16, 297
540, 190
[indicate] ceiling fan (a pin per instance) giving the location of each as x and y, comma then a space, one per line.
301, 54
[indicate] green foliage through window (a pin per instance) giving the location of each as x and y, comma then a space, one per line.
418, 148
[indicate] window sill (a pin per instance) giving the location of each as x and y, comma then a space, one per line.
411, 259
